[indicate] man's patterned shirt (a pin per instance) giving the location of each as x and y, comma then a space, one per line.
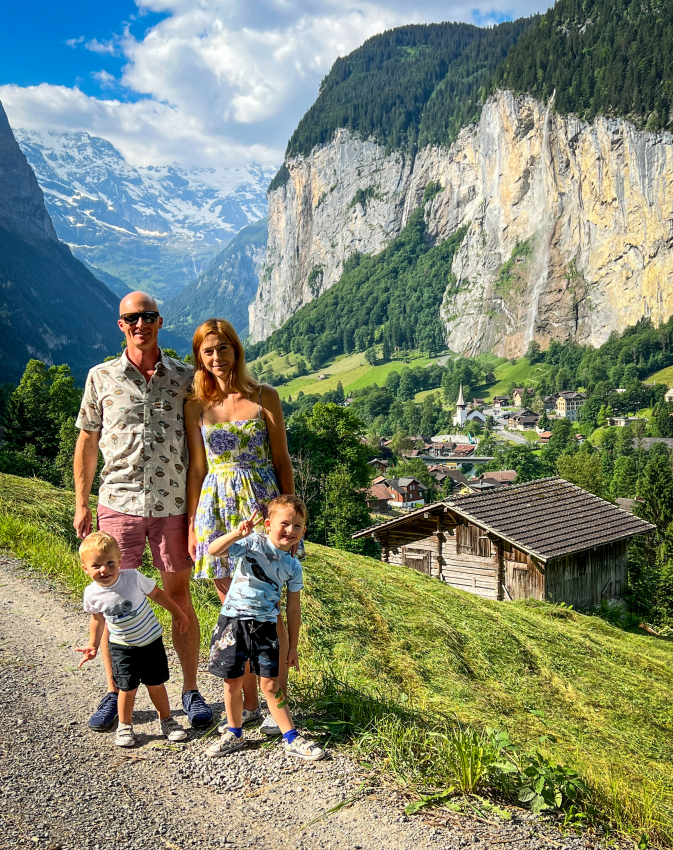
142, 435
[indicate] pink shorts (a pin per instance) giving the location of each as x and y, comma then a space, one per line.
167, 537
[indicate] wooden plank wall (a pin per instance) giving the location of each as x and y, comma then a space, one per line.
584, 579
581, 580
523, 580
474, 573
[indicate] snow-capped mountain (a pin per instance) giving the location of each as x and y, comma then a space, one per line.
156, 228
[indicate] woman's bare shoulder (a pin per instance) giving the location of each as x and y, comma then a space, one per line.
193, 408
269, 392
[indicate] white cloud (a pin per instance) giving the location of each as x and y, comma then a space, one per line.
104, 79
111, 48
225, 81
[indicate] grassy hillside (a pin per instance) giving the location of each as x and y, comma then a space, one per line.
507, 373
663, 376
352, 370
425, 648
354, 373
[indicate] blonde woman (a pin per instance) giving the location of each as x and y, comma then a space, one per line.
238, 462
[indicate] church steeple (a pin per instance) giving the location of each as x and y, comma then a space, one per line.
461, 400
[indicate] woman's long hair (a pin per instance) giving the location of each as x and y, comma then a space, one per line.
240, 380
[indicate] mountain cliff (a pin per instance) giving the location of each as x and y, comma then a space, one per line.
569, 227
224, 290
51, 307
155, 228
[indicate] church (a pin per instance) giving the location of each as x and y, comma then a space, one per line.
462, 415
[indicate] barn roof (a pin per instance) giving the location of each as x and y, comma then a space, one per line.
547, 518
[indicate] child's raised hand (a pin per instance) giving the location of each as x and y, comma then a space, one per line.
181, 621
89, 653
246, 528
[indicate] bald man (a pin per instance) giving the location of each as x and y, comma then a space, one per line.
132, 412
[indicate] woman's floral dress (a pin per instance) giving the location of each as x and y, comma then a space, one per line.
240, 481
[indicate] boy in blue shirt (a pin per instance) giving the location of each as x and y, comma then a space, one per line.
246, 628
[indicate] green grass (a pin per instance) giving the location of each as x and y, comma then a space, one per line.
352, 370
663, 376
354, 373
387, 646
507, 373
531, 436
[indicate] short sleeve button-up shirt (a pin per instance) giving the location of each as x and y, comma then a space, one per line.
142, 435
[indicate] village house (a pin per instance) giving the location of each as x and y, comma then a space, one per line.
396, 492
378, 497
503, 476
378, 463
545, 539
620, 421
568, 404
500, 401
441, 449
550, 403
545, 437
463, 450
405, 492
520, 395
524, 421
412, 453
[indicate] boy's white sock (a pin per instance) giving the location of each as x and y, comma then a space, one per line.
121, 725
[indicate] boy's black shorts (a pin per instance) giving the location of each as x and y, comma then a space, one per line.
235, 642
132, 665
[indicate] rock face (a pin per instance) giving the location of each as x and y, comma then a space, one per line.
21, 201
570, 225
51, 307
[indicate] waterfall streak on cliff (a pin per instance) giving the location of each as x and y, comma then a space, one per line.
588, 194
540, 270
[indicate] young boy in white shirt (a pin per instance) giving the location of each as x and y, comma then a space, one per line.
246, 628
119, 598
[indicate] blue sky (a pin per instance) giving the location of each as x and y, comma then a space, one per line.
43, 42
201, 82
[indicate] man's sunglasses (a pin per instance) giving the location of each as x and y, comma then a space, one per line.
148, 317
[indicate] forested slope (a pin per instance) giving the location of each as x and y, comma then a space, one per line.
392, 298
602, 57
413, 83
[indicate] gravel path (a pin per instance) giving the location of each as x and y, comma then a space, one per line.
65, 788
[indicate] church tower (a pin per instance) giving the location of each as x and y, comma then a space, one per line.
460, 416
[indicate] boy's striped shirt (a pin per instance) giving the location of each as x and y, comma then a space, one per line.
138, 628
129, 616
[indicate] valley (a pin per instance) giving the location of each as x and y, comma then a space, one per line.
156, 228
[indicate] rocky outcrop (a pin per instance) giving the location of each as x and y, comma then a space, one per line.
51, 307
21, 200
570, 225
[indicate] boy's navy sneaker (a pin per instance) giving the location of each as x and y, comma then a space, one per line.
105, 715
196, 709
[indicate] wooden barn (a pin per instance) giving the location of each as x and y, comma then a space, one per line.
545, 539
